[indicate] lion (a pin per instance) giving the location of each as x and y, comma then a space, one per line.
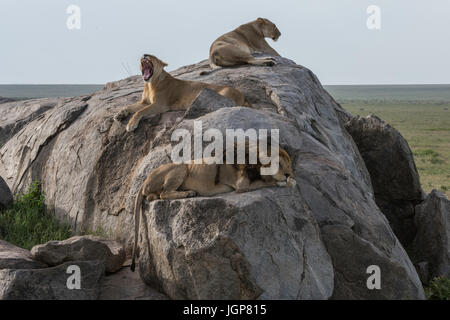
236, 47
178, 181
163, 93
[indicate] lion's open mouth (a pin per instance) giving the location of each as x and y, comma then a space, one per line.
147, 69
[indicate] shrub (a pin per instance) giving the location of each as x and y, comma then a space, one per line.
28, 223
439, 289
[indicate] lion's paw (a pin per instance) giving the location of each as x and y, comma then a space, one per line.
132, 125
191, 194
270, 62
291, 182
122, 115
151, 197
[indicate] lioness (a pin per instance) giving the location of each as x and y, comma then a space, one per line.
176, 181
163, 93
236, 47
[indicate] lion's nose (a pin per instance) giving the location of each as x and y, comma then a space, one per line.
286, 175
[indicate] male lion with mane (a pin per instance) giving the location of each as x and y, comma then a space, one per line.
238, 46
163, 93
178, 181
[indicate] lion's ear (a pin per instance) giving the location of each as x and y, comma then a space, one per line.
284, 154
162, 62
260, 21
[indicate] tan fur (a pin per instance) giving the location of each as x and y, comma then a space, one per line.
236, 47
164, 93
177, 181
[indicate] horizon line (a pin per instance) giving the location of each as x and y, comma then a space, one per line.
102, 84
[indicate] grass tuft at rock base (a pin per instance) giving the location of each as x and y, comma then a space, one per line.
28, 222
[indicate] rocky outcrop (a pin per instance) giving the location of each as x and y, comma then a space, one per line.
431, 246
81, 248
392, 170
6, 197
271, 243
12, 257
15, 116
52, 283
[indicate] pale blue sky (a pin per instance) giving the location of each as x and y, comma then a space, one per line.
328, 36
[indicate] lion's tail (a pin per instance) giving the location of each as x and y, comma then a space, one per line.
213, 66
207, 72
137, 218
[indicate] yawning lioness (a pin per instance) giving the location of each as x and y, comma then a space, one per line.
163, 93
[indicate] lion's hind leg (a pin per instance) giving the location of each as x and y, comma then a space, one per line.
170, 195
216, 189
234, 95
151, 197
234, 55
173, 182
231, 55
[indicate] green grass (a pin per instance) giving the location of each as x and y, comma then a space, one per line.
99, 231
426, 127
28, 223
439, 289
412, 94
430, 155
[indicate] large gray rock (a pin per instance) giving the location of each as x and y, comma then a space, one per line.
263, 244
363, 254
6, 196
52, 283
431, 246
12, 257
127, 285
392, 170
81, 248
235, 247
